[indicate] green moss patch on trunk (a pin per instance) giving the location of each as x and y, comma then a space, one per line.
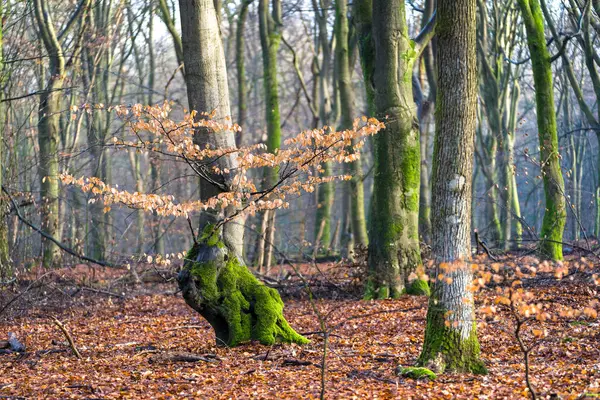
445, 350
238, 306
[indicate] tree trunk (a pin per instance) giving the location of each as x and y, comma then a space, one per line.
393, 234
323, 78
241, 68
514, 205
217, 284
342, 59
270, 38
5, 263
49, 132
554, 188
215, 281
450, 342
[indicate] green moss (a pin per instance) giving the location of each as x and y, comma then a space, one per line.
418, 287
418, 373
579, 323
239, 307
568, 339
445, 350
210, 236
383, 293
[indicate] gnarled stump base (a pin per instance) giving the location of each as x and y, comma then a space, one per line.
239, 307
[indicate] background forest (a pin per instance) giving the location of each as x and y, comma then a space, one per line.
373, 163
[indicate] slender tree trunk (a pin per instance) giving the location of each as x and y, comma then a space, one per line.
49, 132
344, 82
393, 233
241, 68
554, 188
155, 169
450, 342
270, 38
425, 191
5, 263
514, 205
168, 19
326, 191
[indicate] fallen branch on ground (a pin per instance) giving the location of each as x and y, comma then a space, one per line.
68, 336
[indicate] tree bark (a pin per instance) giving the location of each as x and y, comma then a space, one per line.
241, 68
270, 38
344, 82
450, 342
394, 220
6, 270
215, 281
49, 124
554, 188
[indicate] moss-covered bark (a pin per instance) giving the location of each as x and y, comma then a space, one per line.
394, 219
555, 212
217, 284
446, 349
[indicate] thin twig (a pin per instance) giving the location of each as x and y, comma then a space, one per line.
68, 336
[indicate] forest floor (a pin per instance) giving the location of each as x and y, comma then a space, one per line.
130, 345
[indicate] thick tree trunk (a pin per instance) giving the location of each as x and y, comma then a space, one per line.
393, 233
554, 188
217, 284
215, 281
450, 337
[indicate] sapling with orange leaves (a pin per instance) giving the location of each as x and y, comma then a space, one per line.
215, 281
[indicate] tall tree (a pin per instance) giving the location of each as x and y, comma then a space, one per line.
344, 82
240, 64
49, 110
496, 41
215, 281
394, 251
450, 337
5, 267
555, 214
270, 39
323, 79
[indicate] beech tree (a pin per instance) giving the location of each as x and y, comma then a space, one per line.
215, 281
451, 342
355, 188
394, 251
555, 214
270, 39
50, 107
5, 267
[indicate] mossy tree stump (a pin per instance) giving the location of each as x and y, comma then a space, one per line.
240, 308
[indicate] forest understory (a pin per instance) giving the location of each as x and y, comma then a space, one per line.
142, 341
